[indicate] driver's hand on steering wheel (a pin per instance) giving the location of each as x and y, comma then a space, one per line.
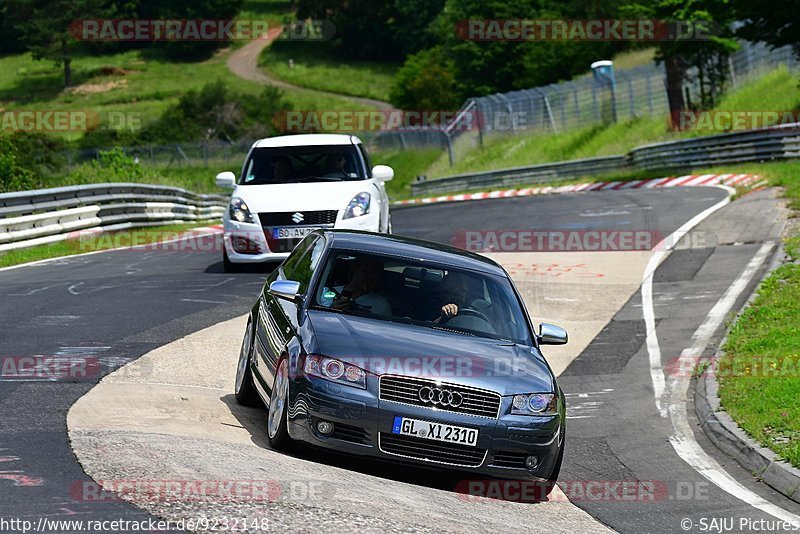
449, 311
342, 302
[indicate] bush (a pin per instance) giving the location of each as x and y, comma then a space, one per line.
14, 177
110, 166
425, 81
216, 113
25, 158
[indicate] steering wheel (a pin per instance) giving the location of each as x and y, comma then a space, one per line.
473, 312
350, 301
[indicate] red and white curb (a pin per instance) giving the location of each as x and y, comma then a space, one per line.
732, 180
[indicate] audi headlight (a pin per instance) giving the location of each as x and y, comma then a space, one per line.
335, 370
535, 404
239, 211
358, 206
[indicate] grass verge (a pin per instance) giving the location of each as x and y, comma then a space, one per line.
763, 352
407, 165
198, 179
763, 347
105, 241
316, 66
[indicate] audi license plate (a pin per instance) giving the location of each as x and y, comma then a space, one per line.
435, 431
291, 233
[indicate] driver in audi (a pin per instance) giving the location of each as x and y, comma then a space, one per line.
453, 294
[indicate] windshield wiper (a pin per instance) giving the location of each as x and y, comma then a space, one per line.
356, 312
454, 330
320, 178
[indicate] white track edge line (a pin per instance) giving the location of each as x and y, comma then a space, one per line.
682, 439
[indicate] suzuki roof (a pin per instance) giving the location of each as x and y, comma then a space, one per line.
306, 140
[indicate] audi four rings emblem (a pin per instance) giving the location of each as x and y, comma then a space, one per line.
440, 397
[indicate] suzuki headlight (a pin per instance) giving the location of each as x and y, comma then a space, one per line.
239, 211
535, 404
335, 370
358, 206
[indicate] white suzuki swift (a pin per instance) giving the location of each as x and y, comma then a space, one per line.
294, 184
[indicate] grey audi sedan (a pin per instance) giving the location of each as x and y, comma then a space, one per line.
403, 350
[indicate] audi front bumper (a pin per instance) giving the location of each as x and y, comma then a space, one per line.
364, 426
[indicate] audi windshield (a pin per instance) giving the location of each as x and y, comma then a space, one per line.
389, 288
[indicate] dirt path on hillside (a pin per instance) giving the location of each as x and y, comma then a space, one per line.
244, 63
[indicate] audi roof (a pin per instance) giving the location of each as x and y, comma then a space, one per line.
408, 247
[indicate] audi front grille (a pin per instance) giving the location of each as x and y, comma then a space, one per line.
442, 396
431, 451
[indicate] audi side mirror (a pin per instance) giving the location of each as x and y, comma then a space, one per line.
550, 334
285, 289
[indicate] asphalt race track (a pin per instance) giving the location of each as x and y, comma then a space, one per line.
119, 305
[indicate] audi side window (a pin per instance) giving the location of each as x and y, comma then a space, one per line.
303, 269
289, 267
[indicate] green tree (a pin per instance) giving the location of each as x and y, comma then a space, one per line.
376, 29
484, 67
44, 27
186, 10
770, 21
707, 48
426, 81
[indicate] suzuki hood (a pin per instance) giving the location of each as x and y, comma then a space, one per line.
312, 196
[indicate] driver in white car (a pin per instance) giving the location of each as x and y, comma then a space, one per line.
336, 167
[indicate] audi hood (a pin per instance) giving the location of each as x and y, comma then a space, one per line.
311, 196
393, 348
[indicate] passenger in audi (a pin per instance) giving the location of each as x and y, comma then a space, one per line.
359, 292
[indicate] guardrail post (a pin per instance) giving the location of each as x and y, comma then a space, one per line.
630, 99
449, 147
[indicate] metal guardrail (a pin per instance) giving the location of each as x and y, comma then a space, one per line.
781, 142
546, 172
766, 144
29, 218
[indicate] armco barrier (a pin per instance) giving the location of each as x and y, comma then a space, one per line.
547, 172
29, 218
766, 144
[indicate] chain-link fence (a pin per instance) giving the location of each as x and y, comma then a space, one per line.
638, 92
167, 156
